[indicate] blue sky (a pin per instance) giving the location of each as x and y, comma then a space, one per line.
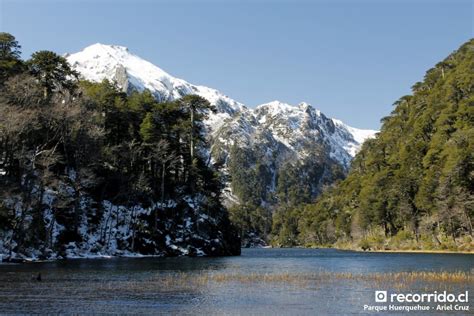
350, 59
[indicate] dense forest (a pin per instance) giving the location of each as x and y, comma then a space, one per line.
265, 188
412, 186
89, 170
86, 169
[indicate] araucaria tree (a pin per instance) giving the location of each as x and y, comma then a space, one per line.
86, 168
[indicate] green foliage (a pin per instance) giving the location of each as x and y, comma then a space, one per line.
147, 128
263, 184
10, 63
285, 227
416, 179
250, 176
364, 244
129, 150
9, 47
52, 71
251, 220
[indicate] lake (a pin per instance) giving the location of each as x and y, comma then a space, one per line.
259, 282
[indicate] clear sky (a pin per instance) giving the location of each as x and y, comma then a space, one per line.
350, 59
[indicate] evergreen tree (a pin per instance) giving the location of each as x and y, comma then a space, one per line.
53, 71
10, 52
413, 185
82, 154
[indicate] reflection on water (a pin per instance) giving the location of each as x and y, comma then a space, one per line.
261, 281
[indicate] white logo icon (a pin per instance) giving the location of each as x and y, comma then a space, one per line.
381, 296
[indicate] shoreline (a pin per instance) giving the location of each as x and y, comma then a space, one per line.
134, 255
465, 252
434, 251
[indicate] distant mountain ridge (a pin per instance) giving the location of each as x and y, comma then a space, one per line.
286, 133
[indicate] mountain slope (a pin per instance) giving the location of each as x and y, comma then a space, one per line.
98, 62
411, 187
275, 154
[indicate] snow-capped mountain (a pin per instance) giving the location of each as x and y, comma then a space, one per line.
98, 62
296, 125
284, 133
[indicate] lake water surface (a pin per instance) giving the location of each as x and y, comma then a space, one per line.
260, 282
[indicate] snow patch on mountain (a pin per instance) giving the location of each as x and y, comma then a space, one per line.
298, 128
98, 62
359, 136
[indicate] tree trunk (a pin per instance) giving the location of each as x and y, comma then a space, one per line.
192, 135
468, 220
163, 183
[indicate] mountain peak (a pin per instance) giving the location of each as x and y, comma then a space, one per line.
305, 106
276, 107
106, 46
287, 123
99, 49
276, 103
114, 62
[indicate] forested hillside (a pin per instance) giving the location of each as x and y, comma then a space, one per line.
275, 151
411, 187
87, 170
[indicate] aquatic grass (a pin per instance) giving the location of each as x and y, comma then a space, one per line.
197, 281
191, 282
410, 277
